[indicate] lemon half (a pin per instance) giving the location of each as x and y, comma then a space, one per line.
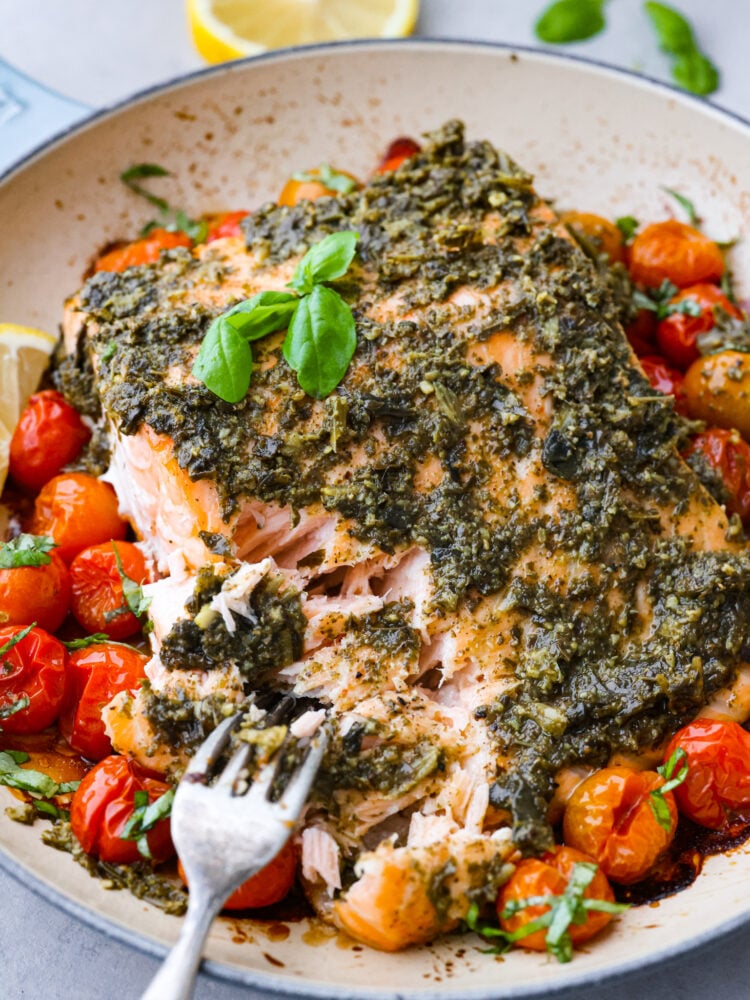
230, 29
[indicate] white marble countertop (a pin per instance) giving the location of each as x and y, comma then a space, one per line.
97, 53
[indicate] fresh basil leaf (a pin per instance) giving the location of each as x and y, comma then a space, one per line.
264, 313
86, 641
628, 226
145, 817
325, 261
14, 706
27, 550
135, 599
695, 72
570, 21
321, 341
14, 776
657, 801
140, 171
691, 69
685, 203
225, 362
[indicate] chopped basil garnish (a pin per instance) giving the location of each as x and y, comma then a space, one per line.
657, 802
570, 21
332, 179
27, 550
109, 351
86, 641
145, 817
691, 68
685, 203
14, 706
135, 599
658, 300
36, 783
13, 641
174, 220
628, 226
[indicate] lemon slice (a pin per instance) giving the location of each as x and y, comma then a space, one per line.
230, 29
24, 355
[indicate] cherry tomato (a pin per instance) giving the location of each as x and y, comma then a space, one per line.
94, 676
609, 817
549, 876
38, 594
77, 510
270, 885
103, 804
728, 455
718, 390
35, 668
97, 588
144, 251
49, 434
295, 191
675, 252
666, 379
227, 224
400, 149
677, 334
641, 333
717, 785
600, 232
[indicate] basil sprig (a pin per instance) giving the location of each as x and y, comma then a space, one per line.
685, 203
659, 301
145, 816
570, 21
27, 550
628, 226
657, 801
691, 68
172, 219
321, 334
135, 599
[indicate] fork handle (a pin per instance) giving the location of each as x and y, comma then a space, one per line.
176, 978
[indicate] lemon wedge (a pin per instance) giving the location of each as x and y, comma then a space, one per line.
24, 355
230, 29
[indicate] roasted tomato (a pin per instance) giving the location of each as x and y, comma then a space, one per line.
144, 251
270, 885
309, 186
666, 379
77, 510
602, 234
94, 676
38, 594
549, 876
400, 149
103, 804
609, 817
717, 786
98, 600
718, 390
676, 252
226, 224
33, 667
729, 456
641, 333
49, 434
677, 333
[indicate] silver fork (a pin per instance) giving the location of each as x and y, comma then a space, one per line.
223, 837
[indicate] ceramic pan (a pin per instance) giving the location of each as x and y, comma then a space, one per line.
597, 139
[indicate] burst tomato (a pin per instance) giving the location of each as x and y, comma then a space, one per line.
641, 333
676, 252
400, 149
677, 334
103, 804
268, 886
600, 232
609, 817
94, 676
717, 786
549, 876
33, 668
227, 224
729, 456
38, 594
310, 189
77, 510
48, 435
98, 599
144, 251
718, 390
666, 379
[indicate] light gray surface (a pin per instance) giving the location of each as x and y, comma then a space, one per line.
99, 52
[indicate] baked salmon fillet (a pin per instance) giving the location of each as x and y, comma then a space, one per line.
481, 557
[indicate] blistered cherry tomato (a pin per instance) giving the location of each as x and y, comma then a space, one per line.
49, 434
94, 676
609, 816
295, 191
600, 232
666, 379
270, 885
717, 786
400, 149
676, 252
38, 594
77, 510
677, 333
718, 390
227, 224
641, 333
144, 251
98, 599
103, 804
549, 876
729, 456
33, 668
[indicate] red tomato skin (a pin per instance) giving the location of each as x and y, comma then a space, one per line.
94, 676
268, 886
666, 379
677, 334
144, 251
37, 669
49, 434
38, 594
400, 149
104, 802
728, 455
641, 333
77, 510
676, 252
717, 785
97, 587
225, 225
